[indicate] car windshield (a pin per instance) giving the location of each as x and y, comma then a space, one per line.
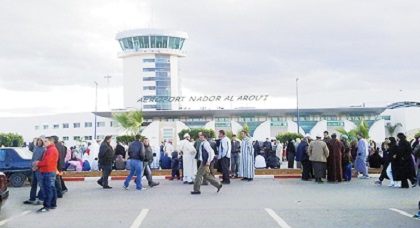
24, 153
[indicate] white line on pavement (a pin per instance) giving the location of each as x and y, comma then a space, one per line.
140, 218
14, 217
401, 212
277, 218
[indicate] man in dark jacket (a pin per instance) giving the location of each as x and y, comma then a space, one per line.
302, 155
235, 156
120, 150
273, 161
291, 154
62, 152
267, 148
106, 158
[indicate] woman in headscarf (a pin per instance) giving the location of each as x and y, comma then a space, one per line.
386, 163
404, 166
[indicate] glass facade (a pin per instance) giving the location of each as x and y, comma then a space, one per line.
162, 80
141, 42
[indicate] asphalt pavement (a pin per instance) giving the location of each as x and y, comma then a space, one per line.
261, 203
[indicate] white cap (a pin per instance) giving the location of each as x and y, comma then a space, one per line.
319, 136
186, 135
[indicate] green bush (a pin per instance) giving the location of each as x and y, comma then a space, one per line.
288, 136
7, 139
194, 133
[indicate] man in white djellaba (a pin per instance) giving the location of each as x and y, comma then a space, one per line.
188, 159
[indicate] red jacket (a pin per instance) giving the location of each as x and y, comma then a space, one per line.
48, 163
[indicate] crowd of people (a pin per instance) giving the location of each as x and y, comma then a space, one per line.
325, 157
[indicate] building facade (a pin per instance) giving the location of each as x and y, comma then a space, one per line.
151, 67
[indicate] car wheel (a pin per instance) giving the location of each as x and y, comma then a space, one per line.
17, 179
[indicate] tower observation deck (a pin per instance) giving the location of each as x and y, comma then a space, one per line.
150, 66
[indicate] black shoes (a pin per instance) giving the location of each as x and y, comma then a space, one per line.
171, 179
185, 182
319, 181
44, 209
100, 183
195, 193
250, 179
244, 179
220, 187
107, 187
153, 184
191, 182
225, 182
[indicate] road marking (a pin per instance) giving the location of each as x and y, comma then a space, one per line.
140, 218
14, 217
277, 218
401, 212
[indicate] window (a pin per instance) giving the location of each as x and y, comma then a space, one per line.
76, 125
148, 79
149, 87
247, 119
114, 124
88, 137
45, 126
101, 124
168, 134
148, 60
56, 126
37, 127
2, 155
163, 83
65, 138
100, 137
65, 125
88, 124
222, 119
150, 106
149, 69
76, 138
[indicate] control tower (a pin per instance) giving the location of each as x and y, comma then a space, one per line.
150, 67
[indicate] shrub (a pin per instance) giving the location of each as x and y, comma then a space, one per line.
194, 133
11, 140
288, 136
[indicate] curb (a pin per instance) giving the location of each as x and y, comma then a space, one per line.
120, 178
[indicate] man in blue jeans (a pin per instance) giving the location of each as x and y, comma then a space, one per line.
38, 153
136, 151
48, 169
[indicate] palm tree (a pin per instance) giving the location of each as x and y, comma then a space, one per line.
130, 121
361, 127
391, 128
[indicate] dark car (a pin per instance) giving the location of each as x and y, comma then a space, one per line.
4, 192
16, 163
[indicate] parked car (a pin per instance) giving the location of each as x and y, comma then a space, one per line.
16, 163
4, 192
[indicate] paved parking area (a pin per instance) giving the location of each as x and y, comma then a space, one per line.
261, 203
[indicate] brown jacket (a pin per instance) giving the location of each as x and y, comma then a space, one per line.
318, 151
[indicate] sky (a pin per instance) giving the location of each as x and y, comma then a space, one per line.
345, 53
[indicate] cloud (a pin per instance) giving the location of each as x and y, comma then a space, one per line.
359, 50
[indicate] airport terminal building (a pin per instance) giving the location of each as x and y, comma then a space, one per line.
151, 70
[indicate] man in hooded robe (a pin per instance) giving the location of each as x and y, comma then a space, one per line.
334, 166
188, 159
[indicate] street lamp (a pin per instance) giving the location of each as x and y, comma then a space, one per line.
109, 98
297, 105
96, 107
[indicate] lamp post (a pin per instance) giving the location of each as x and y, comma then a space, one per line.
109, 98
297, 105
96, 107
